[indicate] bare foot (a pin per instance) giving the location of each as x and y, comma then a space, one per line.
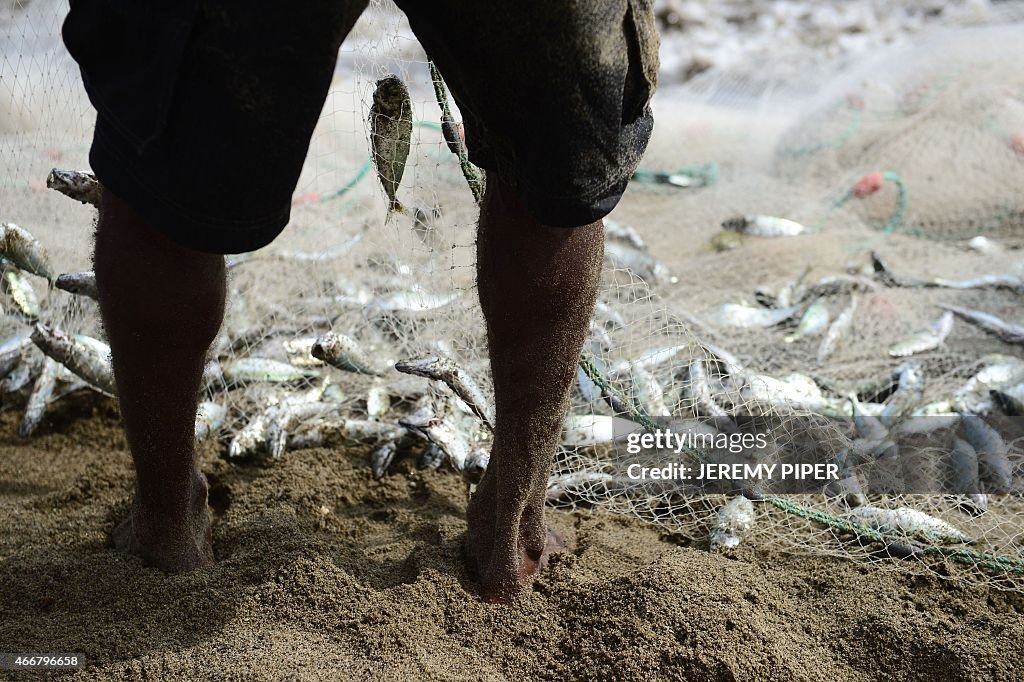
503, 558
173, 542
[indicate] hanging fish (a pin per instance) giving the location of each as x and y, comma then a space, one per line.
390, 135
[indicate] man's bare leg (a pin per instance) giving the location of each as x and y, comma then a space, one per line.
162, 306
537, 289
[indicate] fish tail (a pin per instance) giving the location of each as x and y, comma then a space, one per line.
396, 207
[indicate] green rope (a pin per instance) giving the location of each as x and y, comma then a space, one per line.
360, 174
451, 136
991, 562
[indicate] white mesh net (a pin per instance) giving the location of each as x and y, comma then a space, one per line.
909, 153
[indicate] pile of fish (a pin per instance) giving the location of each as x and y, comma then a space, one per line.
268, 403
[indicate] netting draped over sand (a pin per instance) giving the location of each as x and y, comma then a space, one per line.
890, 170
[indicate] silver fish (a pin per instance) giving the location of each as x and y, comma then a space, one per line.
445, 433
581, 431
926, 340
78, 185
994, 465
645, 266
78, 283
732, 523
88, 358
390, 135
476, 466
209, 419
283, 418
833, 285
648, 393
381, 458
911, 523
1010, 404
454, 377
748, 317
408, 302
764, 226
648, 359
1010, 333
20, 291
300, 351
431, 458
985, 246
966, 478
999, 371
245, 371
378, 401
813, 322
11, 351
39, 398
344, 353
700, 393
1011, 282
837, 330
21, 248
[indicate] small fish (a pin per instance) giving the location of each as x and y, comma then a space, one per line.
733, 522
20, 291
378, 401
1010, 282
39, 398
244, 371
443, 432
300, 351
390, 135
963, 461
926, 340
382, 457
623, 256
407, 302
911, 523
581, 431
813, 322
209, 419
562, 486
700, 393
79, 283
454, 377
431, 458
994, 465
476, 466
847, 486
18, 378
835, 285
292, 411
837, 330
648, 359
251, 439
88, 358
648, 393
78, 185
608, 316
344, 353
11, 351
21, 248
764, 226
1010, 333
998, 373
1010, 404
747, 317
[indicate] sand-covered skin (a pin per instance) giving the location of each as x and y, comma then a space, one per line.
324, 573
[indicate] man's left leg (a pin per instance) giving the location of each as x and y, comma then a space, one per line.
537, 289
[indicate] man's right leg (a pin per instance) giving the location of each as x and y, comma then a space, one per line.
162, 305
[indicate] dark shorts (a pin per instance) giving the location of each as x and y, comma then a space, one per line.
206, 107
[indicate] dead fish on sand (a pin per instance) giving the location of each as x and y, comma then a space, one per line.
245, 371
733, 522
1010, 333
994, 464
813, 322
21, 293
764, 226
390, 135
744, 316
209, 419
963, 461
837, 330
926, 340
454, 377
624, 256
909, 522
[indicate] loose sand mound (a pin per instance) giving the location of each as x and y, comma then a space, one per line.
323, 572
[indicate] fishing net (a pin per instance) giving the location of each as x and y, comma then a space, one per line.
892, 165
